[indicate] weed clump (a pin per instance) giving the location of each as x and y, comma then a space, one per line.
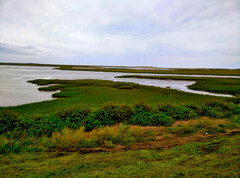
67, 138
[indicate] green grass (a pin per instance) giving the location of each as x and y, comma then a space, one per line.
94, 93
210, 84
202, 71
217, 157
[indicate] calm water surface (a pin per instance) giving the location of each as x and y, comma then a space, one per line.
15, 90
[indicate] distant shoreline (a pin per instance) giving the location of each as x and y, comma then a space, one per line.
136, 69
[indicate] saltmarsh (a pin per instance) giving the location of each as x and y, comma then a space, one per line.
94, 93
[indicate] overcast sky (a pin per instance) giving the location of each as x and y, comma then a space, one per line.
164, 33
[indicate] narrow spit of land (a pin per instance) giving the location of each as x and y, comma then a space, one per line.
203, 71
210, 84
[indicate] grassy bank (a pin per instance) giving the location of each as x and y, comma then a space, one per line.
217, 157
210, 84
102, 69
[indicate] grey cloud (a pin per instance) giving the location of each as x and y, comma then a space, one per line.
138, 31
19, 50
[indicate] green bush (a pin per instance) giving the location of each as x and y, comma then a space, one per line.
185, 113
212, 112
219, 109
42, 125
111, 114
179, 112
141, 118
8, 121
168, 109
73, 117
145, 115
92, 123
145, 118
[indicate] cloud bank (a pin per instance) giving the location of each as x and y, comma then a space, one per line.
163, 33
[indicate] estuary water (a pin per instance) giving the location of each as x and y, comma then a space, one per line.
15, 90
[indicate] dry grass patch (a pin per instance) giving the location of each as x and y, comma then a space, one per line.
107, 137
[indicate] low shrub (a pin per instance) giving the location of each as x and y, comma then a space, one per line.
168, 109
8, 121
40, 125
145, 118
73, 117
212, 112
92, 122
179, 112
219, 109
111, 114
185, 113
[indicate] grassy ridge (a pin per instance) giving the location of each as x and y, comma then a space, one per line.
211, 84
100, 68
